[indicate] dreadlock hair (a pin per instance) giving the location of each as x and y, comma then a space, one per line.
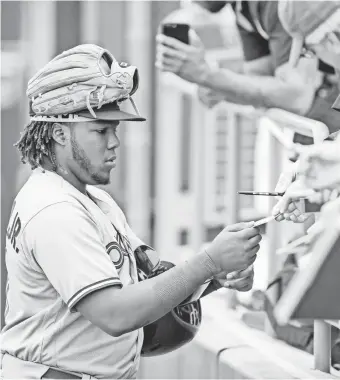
36, 142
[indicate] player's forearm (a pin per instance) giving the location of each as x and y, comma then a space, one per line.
140, 304
258, 91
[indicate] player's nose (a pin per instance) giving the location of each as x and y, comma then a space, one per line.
113, 141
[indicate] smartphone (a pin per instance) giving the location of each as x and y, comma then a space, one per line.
178, 31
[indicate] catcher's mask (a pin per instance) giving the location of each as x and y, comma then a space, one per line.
174, 329
82, 84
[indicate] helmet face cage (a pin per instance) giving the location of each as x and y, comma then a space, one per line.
190, 314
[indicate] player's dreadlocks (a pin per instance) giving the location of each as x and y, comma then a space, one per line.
36, 142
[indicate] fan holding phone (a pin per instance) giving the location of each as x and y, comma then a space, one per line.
181, 32
264, 79
184, 51
178, 31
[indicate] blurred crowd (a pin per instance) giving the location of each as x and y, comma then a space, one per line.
292, 61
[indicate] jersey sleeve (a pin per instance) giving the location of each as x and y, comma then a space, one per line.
67, 246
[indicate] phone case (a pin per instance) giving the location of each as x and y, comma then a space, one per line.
178, 31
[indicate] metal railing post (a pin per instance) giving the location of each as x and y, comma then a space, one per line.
319, 131
322, 346
274, 120
272, 230
234, 151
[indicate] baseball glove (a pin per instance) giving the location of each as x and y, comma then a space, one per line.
85, 76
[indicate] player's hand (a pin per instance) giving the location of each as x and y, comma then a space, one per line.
238, 280
235, 248
209, 97
288, 206
186, 61
320, 166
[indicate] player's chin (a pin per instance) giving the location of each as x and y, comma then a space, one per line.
101, 178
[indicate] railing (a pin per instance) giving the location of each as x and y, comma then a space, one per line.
192, 208
274, 119
277, 122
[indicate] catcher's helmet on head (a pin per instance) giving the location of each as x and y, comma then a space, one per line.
175, 328
82, 84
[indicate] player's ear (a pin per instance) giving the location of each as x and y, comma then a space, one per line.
60, 133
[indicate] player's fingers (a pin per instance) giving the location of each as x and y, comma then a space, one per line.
240, 273
241, 284
242, 281
253, 258
220, 276
236, 280
248, 233
234, 275
252, 242
247, 287
252, 254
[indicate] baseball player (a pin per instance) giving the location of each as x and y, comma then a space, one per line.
76, 307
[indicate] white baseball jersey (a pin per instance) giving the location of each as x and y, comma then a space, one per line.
61, 246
